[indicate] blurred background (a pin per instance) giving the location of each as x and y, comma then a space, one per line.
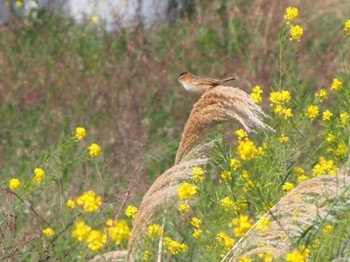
112, 67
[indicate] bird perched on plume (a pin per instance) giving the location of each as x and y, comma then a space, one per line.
198, 84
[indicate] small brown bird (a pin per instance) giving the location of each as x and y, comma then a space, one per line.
198, 84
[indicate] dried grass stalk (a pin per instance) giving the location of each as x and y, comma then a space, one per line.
116, 256
216, 105
310, 202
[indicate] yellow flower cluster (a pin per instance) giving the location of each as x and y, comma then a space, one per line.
287, 186
291, 14
330, 138
19, 4
283, 139
263, 225
197, 174
298, 255
312, 111
183, 208
326, 115
81, 230
39, 175
337, 84
240, 133
173, 247
296, 32
96, 240
244, 259
300, 173
235, 164
154, 230
186, 191
14, 184
246, 149
256, 94
118, 230
94, 150
196, 223
322, 95
344, 117
226, 176
266, 257
325, 167
49, 232
90, 201
131, 211
245, 176
347, 27
241, 225
279, 101
71, 203
80, 133
227, 203
327, 229
225, 240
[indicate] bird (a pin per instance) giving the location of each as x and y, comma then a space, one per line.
199, 84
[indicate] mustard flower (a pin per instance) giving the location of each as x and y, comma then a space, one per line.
225, 240
183, 208
197, 232
299, 171
240, 133
248, 182
39, 175
173, 247
118, 230
327, 229
244, 259
313, 111
302, 178
81, 230
19, 4
322, 95
283, 139
325, 167
71, 203
147, 255
226, 176
337, 84
246, 149
95, 19
266, 257
344, 118
280, 97
287, 186
90, 201
326, 115
49, 232
227, 203
80, 133
291, 14
330, 138
96, 240
235, 164
347, 27
196, 222
263, 224
154, 230
186, 191
197, 174
131, 211
298, 255
14, 184
241, 225
296, 32
256, 95
94, 150
341, 150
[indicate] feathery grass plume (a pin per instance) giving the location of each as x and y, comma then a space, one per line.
310, 202
162, 193
216, 105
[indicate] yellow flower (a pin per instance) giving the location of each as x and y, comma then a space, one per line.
266, 257
296, 32
235, 164
147, 255
344, 118
291, 14
226, 176
19, 4
196, 222
299, 171
280, 97
322, 95
80, 133
241, 225
94, 150
341, 150
347, 27
302, 178
197, 232
96, 240
248, 182
313, 111
131, 211
118, 231
224, 240
154, 230
327, 229
14, 184
227, 203
95, 19
298, 255
283, 139
173, 247
336, 84
49, 232
326, 115
240, 133
287, 186
325, 166
246, 149
330, 138
197, 174
186, 191
256, 95
90, 201
263, 224
183, 208
39, 175
70, 203
81, 230
244, 259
